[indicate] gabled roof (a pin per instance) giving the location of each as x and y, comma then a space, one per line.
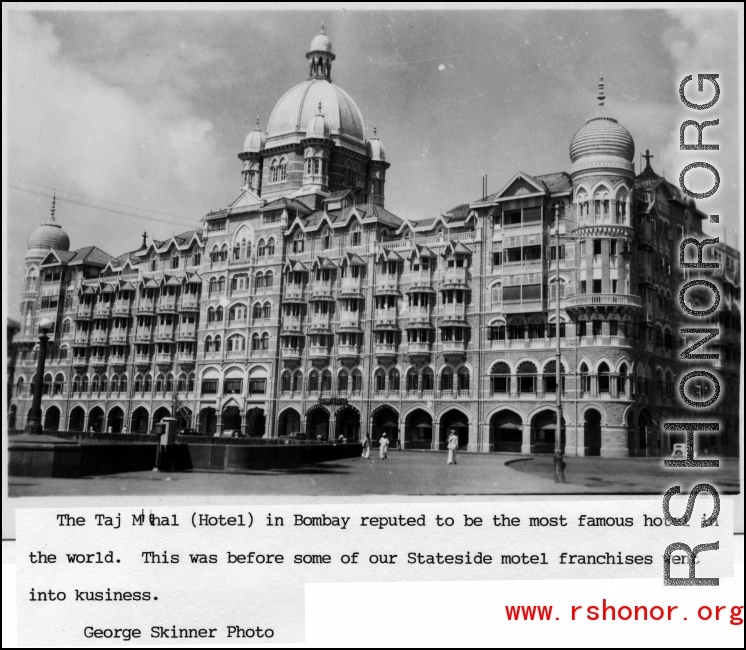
91, 255
353, 259
285, 202
57, 257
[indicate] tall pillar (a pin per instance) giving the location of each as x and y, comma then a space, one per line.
526, 442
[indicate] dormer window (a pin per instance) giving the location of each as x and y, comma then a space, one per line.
355, 237
298, 242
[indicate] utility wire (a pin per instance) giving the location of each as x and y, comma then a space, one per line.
85, 204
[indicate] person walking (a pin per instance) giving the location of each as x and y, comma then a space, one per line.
452, 447
384, 446
366, 446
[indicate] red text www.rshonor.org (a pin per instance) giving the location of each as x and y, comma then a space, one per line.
731, 614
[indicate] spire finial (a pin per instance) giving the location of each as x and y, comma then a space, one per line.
144, 239
322, 28
601, 95
257, 123
647, 156
54, 201
375, 131
320, 113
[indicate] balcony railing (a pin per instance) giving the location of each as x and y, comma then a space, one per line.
455, 310
84, 311
318, 352
164, 357
521, 228
122, 307
420, 280
293, 293
145, 307
290, 353
189, 303
386, 349
387, 284
385, 317
98, 360
99, 336
117, 359
165, 334
186, 333
186, 357
419, 348
143, 359
454, 346
583, 299
351, 286
349, 351
102, 309
81, 338
118, 336
454, 276
167, 304
513, 306
320, 321
349, 319
144, 335
321, 291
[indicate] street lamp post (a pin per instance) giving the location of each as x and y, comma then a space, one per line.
34, 424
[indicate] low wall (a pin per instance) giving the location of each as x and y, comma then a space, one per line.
111, 453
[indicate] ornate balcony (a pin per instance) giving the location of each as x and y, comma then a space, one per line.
318, 352
322, 291
118, 360
84, 312
386, 350
80, 364
185, 359
421, 281
418, 350
349, 320
385, 319
290, 354
455, 278
293, 294
118, 336
189, 303
164, 358
99, 337
454, 348
387, 285
320, 322
102, 310
122, 308
145, 308
292, 324
144, 335
80, 340
165, 334
519, 306
348, 351
455, 311
143, 359
594, 301
351, 288
98, 362
186, 333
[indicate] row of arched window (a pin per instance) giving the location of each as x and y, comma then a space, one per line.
603, 204
262, 280
237, 343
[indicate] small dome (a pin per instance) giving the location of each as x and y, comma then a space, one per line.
602, 136
255, 140
317, 126
321, 42
375, 148
48, 235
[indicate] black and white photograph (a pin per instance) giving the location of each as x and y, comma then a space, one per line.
369, 252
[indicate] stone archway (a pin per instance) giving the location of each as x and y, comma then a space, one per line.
115, 419
231, 419
52, 419
208, 421
288, 422
385, 419
347, 424
159, 414
317, 423
96, 419
418, 430
12, 416
544, 432
77, 419
592, 432
646, 434
140, 419
256, 422
506, 431
457, 420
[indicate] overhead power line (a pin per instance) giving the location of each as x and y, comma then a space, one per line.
87, 204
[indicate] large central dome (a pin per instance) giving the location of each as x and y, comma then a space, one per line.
299, 104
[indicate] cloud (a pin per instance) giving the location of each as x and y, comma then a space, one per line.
70, 129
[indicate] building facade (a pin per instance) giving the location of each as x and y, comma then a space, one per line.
305, 305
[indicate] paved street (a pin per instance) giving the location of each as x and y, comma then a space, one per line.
407, 472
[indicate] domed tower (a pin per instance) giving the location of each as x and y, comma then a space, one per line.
602, 172
251, 170
335, 134
316, 152
49, 235
376, 169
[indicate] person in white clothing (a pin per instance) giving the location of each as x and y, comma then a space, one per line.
452, 447
384, 443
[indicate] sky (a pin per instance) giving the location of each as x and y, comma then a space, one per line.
149, 109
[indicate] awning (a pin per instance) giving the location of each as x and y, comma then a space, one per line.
420, 326
194, 279
299, 266
108, 288
355, 260
424, 251
460, 248
326, 263
127, 286
150, 284
393, 256
88, 291
173, 281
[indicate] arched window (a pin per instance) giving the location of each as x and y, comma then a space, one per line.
159, 384
190, 383
218, 340
297, 382
526, 377
585, 379
59, 384
267, 310
94, 384
497, 294
394, 379
261, 248
357, 381
326, 380
274, 174
669, 384
427, 379
104, 383
211, 287
271, 246
255, 343
380, 380
210, 315
169, 383
412, 380
446, 379
658, 336
66, 327
463, 379
221, 284
181, 383
219, 314
342, 381
123, 384
208, 344
603, 378
268, 279
313, 381
115, 384
550, 377
256, 312
265, 341
76, 383
622, 380
500, 378
282, 170
84, 384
